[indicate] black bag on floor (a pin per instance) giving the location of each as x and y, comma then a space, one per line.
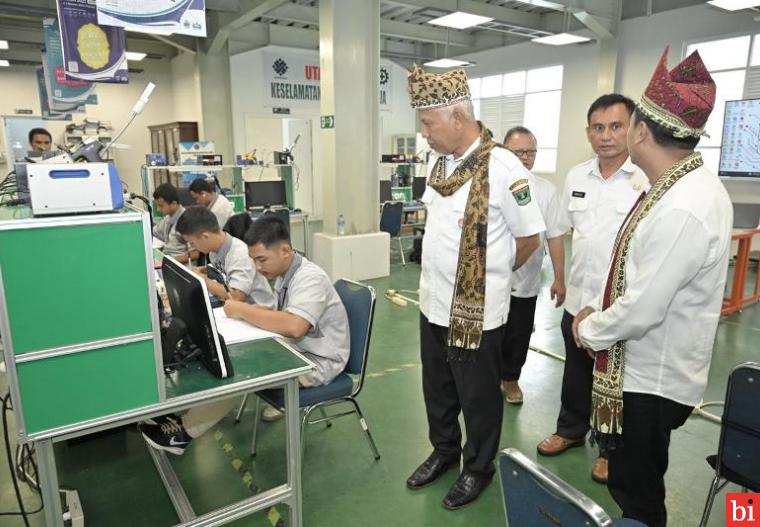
416, 254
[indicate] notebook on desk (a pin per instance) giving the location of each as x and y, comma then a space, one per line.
234, 330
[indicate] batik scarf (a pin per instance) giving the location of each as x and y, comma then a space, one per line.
607, 391
468, 301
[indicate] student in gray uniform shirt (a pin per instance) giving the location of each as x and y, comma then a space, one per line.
167, 198
204, 193
309, 314
227, 255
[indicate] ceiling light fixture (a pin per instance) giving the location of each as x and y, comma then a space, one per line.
3, 44
135, 55
4, 63
459, 20
447, 63
564, 38
734, 5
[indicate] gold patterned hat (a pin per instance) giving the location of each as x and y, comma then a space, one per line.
434, 90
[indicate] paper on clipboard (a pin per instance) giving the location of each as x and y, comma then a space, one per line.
234, 330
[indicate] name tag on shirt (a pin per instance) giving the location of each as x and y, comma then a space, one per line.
578, 194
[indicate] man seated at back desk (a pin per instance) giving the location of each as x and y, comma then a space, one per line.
165, 230
204, 193
309, 314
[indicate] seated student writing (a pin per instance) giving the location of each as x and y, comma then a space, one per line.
309, 314
167, 198
228, 255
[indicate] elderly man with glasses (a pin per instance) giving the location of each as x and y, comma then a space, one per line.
526, 281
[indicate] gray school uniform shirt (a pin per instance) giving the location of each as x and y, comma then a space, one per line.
166, 231
233, 259
306, 291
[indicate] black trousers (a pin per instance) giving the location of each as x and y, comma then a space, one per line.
575, 413
472, 388
517, 332
637, 469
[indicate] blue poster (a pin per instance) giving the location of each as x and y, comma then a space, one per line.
45, 110
63, 95
91, 52
164, 17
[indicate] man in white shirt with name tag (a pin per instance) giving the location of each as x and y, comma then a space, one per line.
597, 196
482, 222
526, 281
653, 328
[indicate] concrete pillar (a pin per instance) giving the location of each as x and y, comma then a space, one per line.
215, 96
349, 49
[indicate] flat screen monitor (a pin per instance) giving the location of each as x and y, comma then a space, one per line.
185, 199
385, 190
189, 301
740, 151
418, 187
265, 194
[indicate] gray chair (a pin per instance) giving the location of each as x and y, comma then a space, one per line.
390, 222
739, 443
534, 496
359, 301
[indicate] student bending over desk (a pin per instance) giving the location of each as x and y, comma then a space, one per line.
227, 255
309, 314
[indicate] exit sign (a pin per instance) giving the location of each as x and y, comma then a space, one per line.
327, 121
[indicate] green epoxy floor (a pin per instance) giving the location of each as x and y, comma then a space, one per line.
342, 484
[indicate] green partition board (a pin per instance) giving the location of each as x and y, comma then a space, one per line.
67, 389
250, 360
74, 284
238, 202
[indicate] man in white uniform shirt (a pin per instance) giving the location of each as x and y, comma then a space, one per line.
597, 196
203, 193
526, 281
482, 222
654, 331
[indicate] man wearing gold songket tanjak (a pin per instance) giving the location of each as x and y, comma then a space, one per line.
482, 222
653, 328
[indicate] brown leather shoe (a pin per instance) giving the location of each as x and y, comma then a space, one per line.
554, 445
512, 392
599, 470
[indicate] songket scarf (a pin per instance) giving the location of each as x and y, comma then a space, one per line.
607, 390
468, 301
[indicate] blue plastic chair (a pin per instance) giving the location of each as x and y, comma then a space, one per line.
739, 443
534, 496
390, 222
359, 301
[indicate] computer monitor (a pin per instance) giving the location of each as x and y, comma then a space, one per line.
740, 148
385, 190
264, 194
185, 199
188, 298
418, 187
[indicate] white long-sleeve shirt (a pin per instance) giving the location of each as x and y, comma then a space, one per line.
675, 277
595, 208
507, 220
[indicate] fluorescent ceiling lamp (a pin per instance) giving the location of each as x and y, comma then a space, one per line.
459, 20
4, 63
561, 39
135, 55
3, 44
734, 5
447, 63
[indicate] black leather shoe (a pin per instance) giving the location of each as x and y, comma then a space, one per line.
465, 490
430, 470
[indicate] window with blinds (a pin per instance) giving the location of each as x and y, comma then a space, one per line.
734, 64
529, 98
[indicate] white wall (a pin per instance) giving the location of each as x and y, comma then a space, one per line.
19, 90
641, 42
249, 100
186, 104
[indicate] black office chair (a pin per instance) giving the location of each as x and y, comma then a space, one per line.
390, 222
281, 214
238, 224
739, 443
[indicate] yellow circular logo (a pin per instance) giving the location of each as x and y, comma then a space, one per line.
93, 46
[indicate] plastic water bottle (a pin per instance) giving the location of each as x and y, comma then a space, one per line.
19, 151
341, 225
